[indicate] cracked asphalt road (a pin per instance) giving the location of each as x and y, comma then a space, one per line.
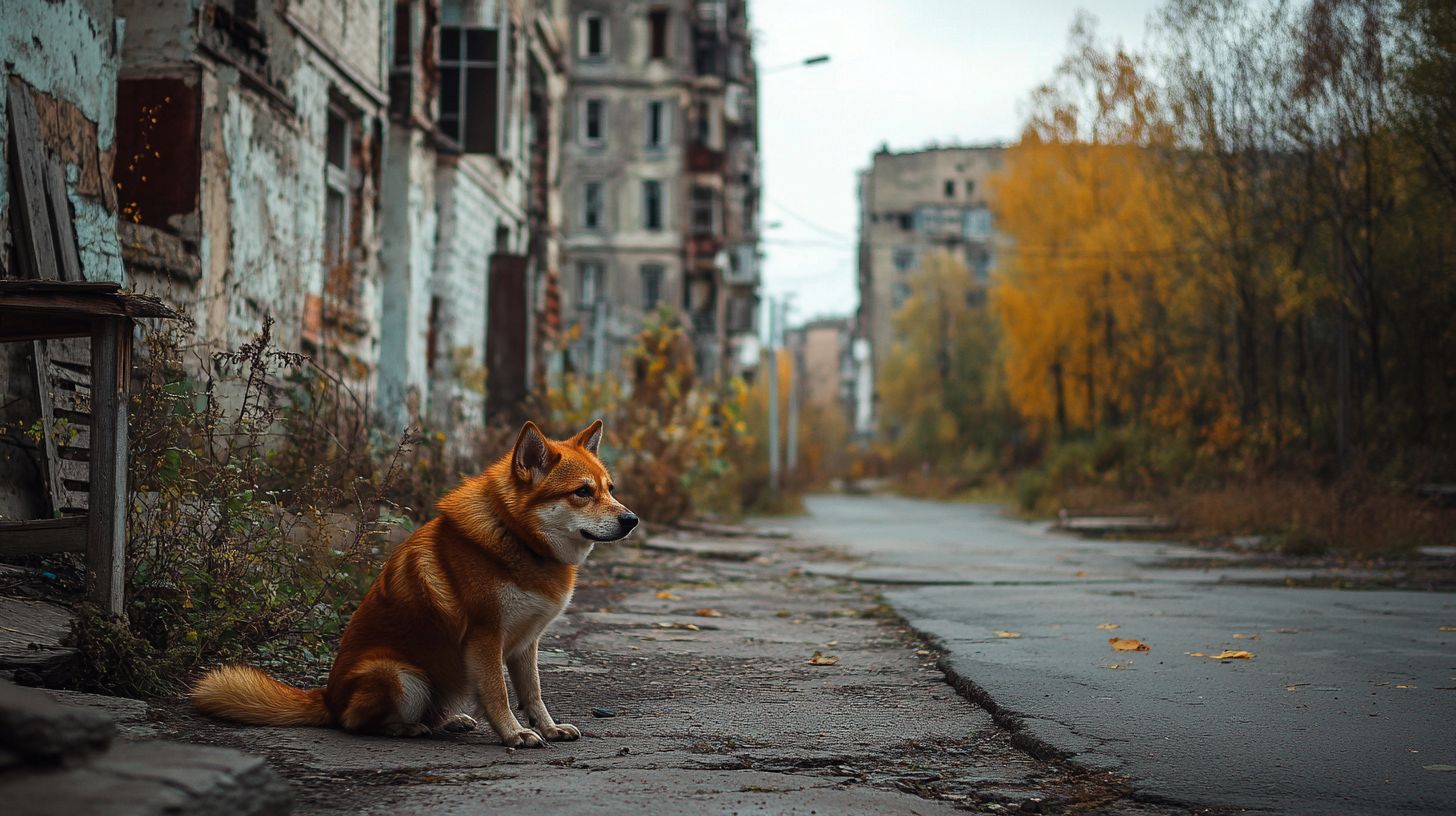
729, 717
1346, 707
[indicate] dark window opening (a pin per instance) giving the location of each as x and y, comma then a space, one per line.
338, 144
657, 26
656, 125
469, 87
705, 211
591, 211
652, 205
402, 31
594, 127
950, 188
594, 36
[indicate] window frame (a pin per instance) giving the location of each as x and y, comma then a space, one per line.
490, 74
654, 218
583, 34
593, 207
338, 186
587, 102
659, 117
652, 295
659, 34
590, 279
695, 209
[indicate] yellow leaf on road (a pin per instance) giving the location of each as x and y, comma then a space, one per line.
821, 659
1448, 628
1109, 626
1242, 636
664, 595
709, 613
1226, 654
1002, 633
1127, 645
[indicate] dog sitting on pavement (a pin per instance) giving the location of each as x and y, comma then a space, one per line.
470, 590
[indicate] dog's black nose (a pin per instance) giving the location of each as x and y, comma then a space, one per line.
628, 522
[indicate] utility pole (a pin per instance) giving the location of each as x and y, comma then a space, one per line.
773, 395
791, 464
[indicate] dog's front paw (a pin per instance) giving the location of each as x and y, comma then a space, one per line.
458, 723
524, 738
560, 732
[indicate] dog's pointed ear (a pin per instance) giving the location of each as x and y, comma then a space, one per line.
591, 438
532, 458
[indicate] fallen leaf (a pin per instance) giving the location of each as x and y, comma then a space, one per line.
1448, 628
1002, 633
1226, 654
1403, 685
691, 627
664, 595
821, 659
1242, 636
1114, 665
1287, 631
709, 613
1109, 626
1440, 768
1080, 574
1127, 645
922, 652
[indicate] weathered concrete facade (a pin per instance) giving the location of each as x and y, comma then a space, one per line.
660, 190
910, 203
66, 55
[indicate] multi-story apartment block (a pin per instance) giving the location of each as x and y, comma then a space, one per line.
660, 184
910, 203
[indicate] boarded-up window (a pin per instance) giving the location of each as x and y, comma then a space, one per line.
470, 87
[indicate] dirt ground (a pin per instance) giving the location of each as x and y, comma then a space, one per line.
686, 711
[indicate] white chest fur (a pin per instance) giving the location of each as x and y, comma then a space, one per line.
525, 615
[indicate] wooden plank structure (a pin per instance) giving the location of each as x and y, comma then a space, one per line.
83, 393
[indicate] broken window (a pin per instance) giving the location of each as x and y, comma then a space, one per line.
657, 125
704, 210
470, 87
589, 283
651, 286
657, 30
594, 121
592, 36
652, 205
591, 205
337, 188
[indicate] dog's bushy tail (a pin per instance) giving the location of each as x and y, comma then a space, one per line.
246, 695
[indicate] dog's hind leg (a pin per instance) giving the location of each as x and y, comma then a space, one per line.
388, 698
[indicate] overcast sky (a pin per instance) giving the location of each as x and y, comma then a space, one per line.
902, 72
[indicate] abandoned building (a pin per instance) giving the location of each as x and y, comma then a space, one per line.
661, 188
909, 203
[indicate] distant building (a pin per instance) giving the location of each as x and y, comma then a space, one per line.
660, 178
825, 363
911, 203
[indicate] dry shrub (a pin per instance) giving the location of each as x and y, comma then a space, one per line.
1353, 518
667, 438
262, 503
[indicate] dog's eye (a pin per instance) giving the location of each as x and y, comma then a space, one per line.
584, 492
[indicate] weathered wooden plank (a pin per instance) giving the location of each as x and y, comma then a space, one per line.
106, 533
77, 401
72, 351
68, 260
34, 242
62, 373
48, 420
74, 470
77, 437
43, 536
